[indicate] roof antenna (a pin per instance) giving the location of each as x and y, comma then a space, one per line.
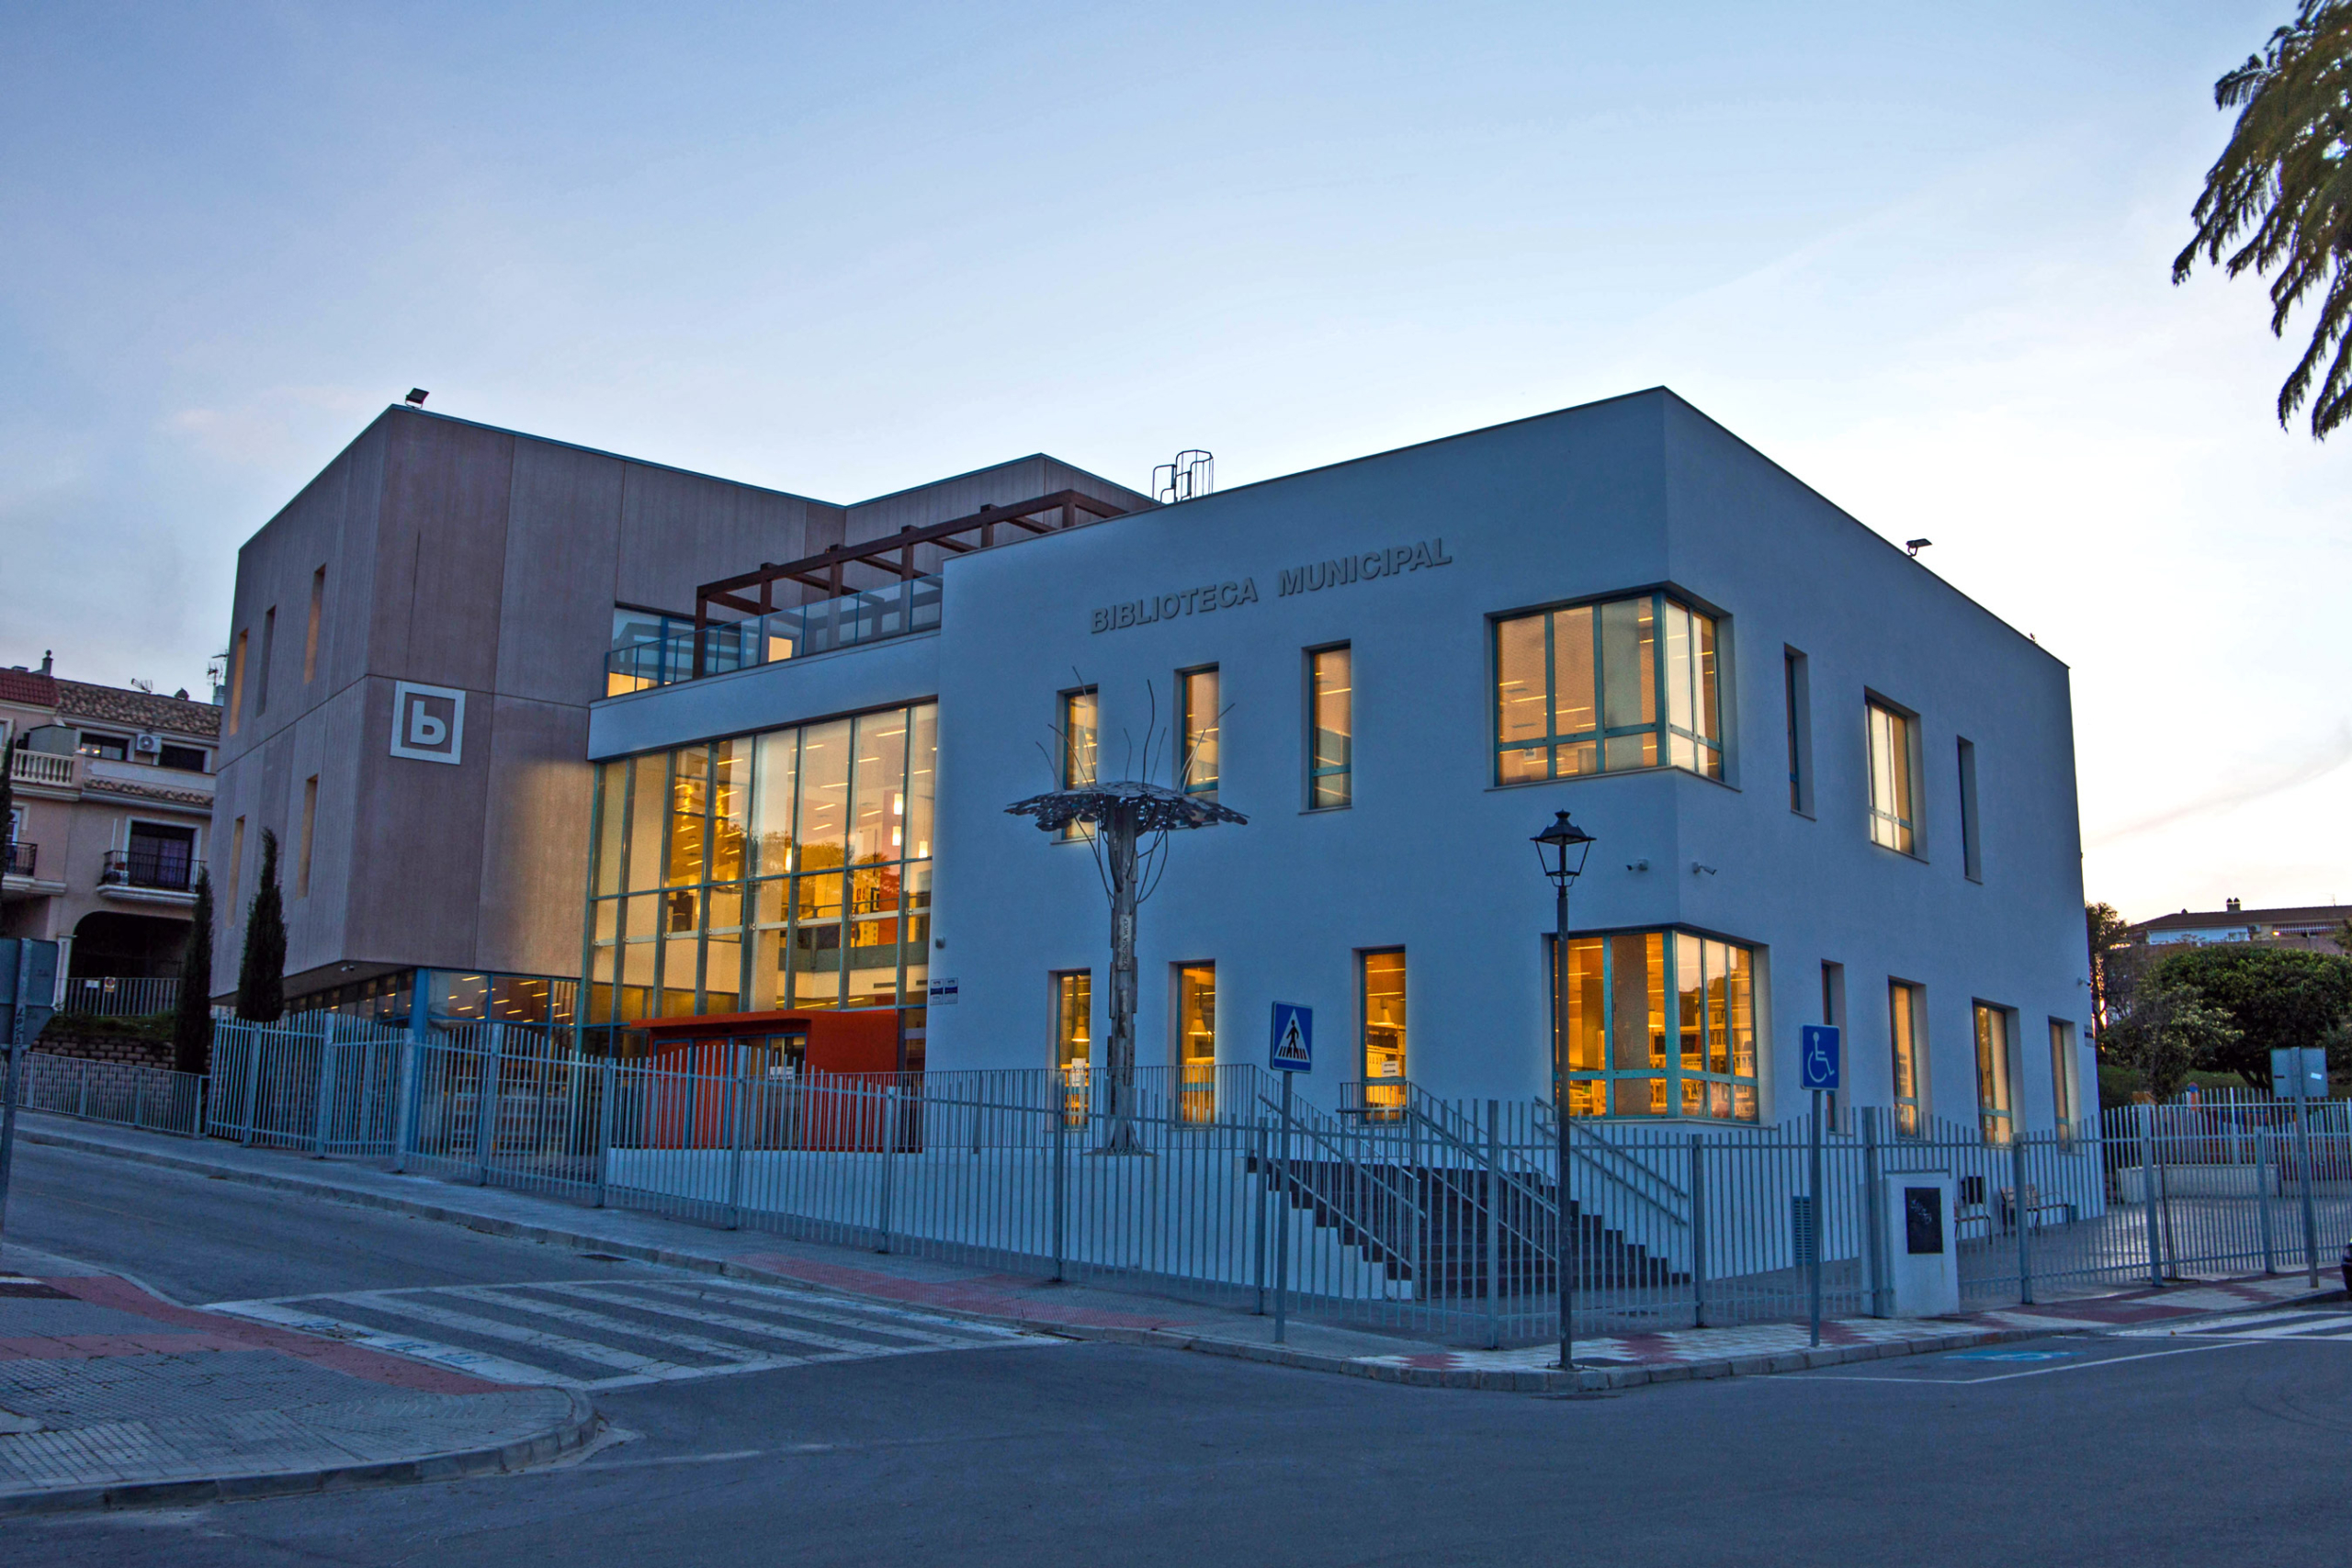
1192, 475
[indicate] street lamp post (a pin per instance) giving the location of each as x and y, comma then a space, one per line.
1561, 850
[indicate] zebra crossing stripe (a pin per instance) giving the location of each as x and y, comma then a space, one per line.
2258, 1325
700, 1311
683, 1340
456, 1358
538, 1339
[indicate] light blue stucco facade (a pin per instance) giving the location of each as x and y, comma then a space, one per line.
1432, 855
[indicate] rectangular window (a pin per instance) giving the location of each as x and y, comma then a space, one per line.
1081, 724
113, 748
1797, 689
1833, 1012
261, 677
1196, 723
309, 821
185, 759
1996, 1104
1074, 1040
1332, 718
1894, 804
236, 682
1600, 688
1381, 1006
311, 637
236, 865
1624, 1056
2065, 1081
1196, 1042
160, 856
1906, 1028
1971, 852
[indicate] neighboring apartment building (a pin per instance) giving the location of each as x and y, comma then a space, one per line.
415, 642
110, 821
2312, 927
1826, 787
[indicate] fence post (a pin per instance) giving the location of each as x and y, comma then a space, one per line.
326, 1089
486, 1107
2262, 1196
2148, 1191
2303, 1159
253, 1079
1282, 1220
1698, 1232
1494, 1223
404, 1105
605, 1129
1874, 1215
1058, 1108
2021, 1216
737, 1089
882, 1220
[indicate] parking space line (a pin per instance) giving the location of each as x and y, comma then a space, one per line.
2030, 1373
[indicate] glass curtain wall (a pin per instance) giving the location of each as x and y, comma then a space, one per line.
780, 871
1661, 1023
1602, 688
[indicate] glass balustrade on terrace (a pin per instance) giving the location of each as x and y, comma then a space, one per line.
853, 619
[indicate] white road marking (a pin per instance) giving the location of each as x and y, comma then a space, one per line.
589, 1336
2272, 1324
2005, 1377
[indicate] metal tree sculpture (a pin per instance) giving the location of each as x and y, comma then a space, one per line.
1131, 822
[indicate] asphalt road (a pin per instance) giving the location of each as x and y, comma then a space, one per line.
2092, 1451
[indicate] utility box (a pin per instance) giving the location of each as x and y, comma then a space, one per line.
1922, 1251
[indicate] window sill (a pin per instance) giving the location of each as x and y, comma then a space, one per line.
1325, 810
1615, 774
1900, 854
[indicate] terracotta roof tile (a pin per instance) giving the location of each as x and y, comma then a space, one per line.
23, 686
139, 710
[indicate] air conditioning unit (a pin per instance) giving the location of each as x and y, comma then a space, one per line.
148, 745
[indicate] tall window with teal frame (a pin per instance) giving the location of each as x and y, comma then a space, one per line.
1604, 687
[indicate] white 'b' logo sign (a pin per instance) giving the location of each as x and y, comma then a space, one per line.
429, 722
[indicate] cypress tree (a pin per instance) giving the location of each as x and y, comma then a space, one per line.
261, 978
192, 1022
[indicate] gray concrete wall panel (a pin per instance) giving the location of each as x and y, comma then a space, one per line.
533, 842
563, 536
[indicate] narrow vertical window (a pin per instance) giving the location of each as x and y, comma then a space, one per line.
1074, 1040
1996, 1106
1970, 842
1081, 723
1894, 807
261, 676
1832, 1013
236, 865
1795, 679
2066, 1085
1906, 1030
311, 637
309, 821
1330, 694
237, 684
1196, 724
1196, 1042
1381, 1005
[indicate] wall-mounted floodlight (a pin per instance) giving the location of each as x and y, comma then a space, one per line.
1914, 546
416, 396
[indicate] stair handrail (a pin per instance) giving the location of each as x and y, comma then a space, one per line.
1409, 1202
1675, 1206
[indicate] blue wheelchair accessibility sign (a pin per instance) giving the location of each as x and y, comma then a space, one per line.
1817, 1053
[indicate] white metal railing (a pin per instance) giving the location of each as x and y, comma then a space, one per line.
118, 996
42, 768
1443, 1217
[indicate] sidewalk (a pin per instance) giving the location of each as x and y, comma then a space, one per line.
110, 1396
1097, 1311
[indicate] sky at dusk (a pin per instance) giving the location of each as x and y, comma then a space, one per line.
1919, 255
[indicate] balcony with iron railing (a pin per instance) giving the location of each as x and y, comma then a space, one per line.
22, 859
156, 870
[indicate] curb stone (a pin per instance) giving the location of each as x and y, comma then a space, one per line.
1588, 1380
578, 1426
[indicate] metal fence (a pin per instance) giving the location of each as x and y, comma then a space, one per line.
118, 996
1435, 1216
152, 1098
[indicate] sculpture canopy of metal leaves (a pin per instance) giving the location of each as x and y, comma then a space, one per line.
1158, 808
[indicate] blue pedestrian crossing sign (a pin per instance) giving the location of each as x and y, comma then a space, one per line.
1817, 1050
1294, 1043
